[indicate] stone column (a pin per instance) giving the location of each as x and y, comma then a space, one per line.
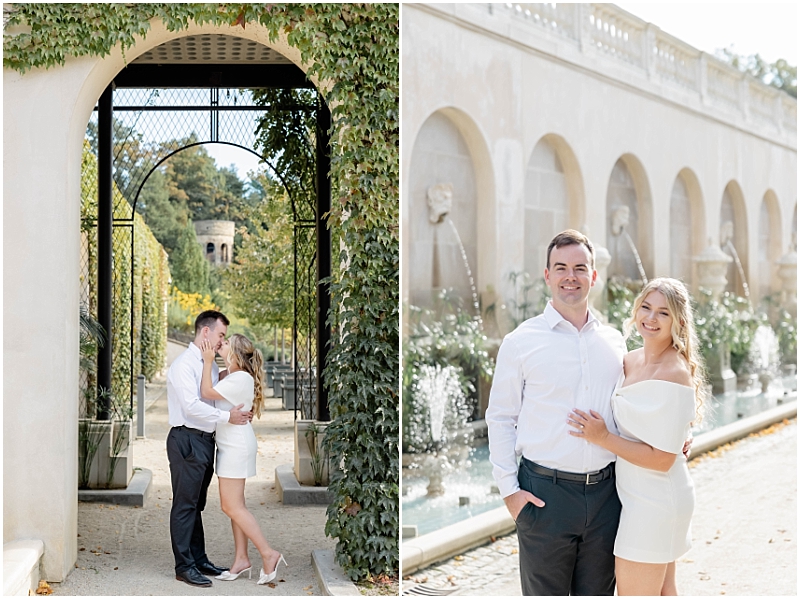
712, 264
787, 271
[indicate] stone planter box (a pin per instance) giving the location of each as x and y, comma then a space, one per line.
718, 366
110, 435
277, 379
289, 394
302, 454
273, 367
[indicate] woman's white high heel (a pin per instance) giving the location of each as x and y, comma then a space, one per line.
265, 578
226, 575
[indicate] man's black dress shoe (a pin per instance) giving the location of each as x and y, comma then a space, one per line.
193, 577
210, 569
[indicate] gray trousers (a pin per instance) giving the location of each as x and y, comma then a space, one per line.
567, 547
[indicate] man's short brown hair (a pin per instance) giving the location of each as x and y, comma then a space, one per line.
209, 319
570, 237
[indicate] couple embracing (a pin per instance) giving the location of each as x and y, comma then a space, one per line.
588, 443
210, 412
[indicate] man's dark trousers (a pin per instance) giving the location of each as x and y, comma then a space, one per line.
567, 547
191, 466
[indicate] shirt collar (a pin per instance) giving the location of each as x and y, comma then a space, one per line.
195, 351
553, 317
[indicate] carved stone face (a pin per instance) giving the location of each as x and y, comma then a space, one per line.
620, 218
440, 201
726, 233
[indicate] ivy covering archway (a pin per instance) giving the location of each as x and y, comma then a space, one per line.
355, 47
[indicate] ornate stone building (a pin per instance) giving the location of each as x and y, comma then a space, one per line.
539, 117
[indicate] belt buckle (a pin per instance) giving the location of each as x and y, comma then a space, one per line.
588, 474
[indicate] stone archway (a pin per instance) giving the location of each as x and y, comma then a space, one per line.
553, 199
686, 225
53, 107
449, 168
733, 237
629, 220
770, 244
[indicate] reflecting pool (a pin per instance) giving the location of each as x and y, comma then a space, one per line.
472, 491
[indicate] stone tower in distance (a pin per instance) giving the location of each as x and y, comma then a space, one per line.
216, 239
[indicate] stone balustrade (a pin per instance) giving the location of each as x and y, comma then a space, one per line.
608, 30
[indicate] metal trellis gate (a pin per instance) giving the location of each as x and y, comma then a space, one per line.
150, 125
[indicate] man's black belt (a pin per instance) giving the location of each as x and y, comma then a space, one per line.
195, 431
587, 478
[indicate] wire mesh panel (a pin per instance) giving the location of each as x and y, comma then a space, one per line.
305, 311
152, 124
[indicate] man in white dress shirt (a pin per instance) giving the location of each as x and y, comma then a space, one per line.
562, 493
190, 449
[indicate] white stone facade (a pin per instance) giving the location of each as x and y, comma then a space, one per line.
216, 239
542, 117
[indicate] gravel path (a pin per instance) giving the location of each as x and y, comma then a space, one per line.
744, 529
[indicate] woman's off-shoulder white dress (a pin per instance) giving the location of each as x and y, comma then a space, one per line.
236, 443
654, 525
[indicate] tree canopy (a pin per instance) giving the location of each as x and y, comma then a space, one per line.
778, 74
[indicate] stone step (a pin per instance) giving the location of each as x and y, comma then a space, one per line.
21, 560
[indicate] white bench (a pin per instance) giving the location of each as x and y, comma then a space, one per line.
21, 566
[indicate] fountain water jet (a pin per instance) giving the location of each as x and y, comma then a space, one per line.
440, 202
620, 218
440, 402
636, 257
730, 247
475, 303
726, 232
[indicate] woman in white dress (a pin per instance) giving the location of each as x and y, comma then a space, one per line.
662, 392
237, 447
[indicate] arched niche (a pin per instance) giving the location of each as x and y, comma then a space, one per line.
686, 226
451, 224
733, 232
53, 106
629, 219
553, 197
770, 244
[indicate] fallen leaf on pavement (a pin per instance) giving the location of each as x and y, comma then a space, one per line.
44, 588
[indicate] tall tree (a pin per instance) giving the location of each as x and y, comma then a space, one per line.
166, 219
189, 267
260, 281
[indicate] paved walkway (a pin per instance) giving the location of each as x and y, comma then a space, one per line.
744, 529
126, 551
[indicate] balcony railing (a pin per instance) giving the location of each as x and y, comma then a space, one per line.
608, 30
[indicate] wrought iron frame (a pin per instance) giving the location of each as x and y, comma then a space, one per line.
212, 77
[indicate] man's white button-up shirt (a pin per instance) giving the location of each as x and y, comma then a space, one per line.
545, 368
186, 407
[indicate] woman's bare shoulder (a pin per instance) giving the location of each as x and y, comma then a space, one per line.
675, 369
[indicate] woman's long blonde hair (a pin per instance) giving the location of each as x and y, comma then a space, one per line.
684, 337
249, 359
